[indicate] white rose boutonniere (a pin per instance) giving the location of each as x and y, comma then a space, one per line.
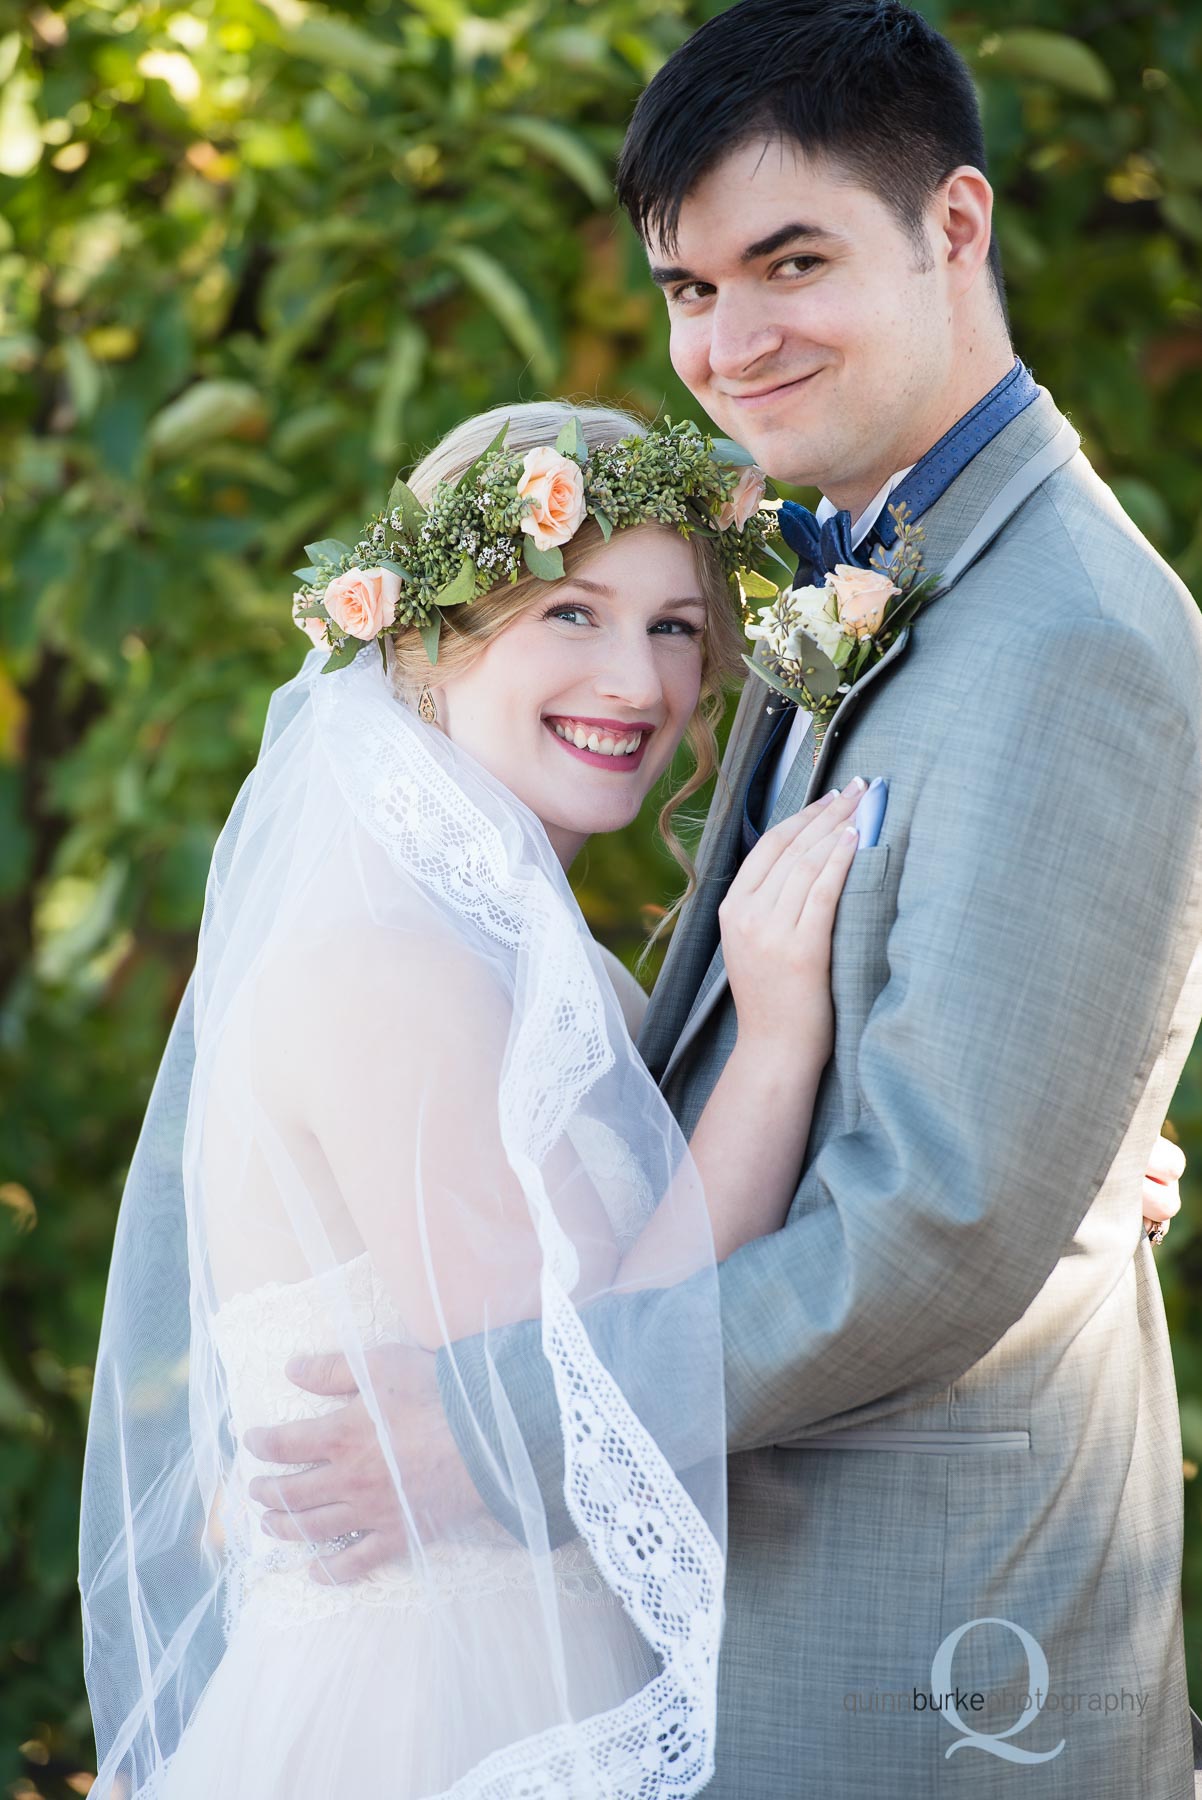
813, 644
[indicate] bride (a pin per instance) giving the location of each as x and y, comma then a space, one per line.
401, 1104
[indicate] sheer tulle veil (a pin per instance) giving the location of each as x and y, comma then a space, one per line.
400, 1085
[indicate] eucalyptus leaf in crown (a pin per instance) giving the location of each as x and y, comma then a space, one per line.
812, 644
513, 511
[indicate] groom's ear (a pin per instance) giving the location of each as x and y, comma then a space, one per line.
962, 223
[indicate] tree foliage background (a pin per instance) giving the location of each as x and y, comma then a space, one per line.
254, 256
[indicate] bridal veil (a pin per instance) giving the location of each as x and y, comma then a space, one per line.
399, 1088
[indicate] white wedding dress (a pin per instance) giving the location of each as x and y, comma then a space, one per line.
323, 1689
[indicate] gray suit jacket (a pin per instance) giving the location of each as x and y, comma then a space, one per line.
948, 1383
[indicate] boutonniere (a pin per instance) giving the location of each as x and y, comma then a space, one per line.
813, 644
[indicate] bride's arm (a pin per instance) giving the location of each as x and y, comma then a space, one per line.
776, 923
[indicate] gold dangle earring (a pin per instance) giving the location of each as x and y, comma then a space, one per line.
426, 708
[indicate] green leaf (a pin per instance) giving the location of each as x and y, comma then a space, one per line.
429, 631
402, 499
332, 43
498, 443
570, 441
733, 455
604, 521
329, 550
546, 564
1050, 56
1184, 213
822, 677
309, 574
204, 412
568, 152
790, 568
903, 610
460, 588
20, 127
774, 681
508, 302
756, 586
341, 659
398, 384
386, 563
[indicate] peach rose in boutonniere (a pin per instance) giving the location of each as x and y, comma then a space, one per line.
745, 500
363, 602
863, 595
556, 486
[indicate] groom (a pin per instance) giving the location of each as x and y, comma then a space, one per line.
955, 1469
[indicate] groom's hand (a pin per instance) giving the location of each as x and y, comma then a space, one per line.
352, 1488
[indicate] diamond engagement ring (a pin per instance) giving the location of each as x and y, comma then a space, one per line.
344, 1538
1156, 1234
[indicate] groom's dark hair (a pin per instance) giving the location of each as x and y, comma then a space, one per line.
868, 84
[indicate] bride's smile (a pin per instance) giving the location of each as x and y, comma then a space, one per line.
580, 704
617, 743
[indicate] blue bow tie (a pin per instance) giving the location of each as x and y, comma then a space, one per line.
820, 546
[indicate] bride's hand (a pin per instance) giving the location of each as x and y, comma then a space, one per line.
352, 1488
776, 923
1162, 1192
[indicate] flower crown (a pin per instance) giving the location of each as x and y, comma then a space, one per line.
414, 563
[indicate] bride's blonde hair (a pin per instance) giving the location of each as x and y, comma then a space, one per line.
468, 631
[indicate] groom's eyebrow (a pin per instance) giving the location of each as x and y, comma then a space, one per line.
792, 233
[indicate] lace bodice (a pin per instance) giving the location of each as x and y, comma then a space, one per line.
256, 1334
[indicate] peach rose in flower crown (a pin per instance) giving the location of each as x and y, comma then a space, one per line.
749, 491
556, 485
363, 602
863, 595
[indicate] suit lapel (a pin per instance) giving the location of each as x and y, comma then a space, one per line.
804, 780
718, 856
958, 528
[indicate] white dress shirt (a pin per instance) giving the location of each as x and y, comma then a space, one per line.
795, 736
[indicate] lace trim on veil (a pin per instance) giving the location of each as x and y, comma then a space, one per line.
644, 1531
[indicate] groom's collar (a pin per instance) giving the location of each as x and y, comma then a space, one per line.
960, 508
826, 509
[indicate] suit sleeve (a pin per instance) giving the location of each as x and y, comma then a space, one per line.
1047, 911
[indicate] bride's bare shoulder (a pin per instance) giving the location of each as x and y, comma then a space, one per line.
369, 992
